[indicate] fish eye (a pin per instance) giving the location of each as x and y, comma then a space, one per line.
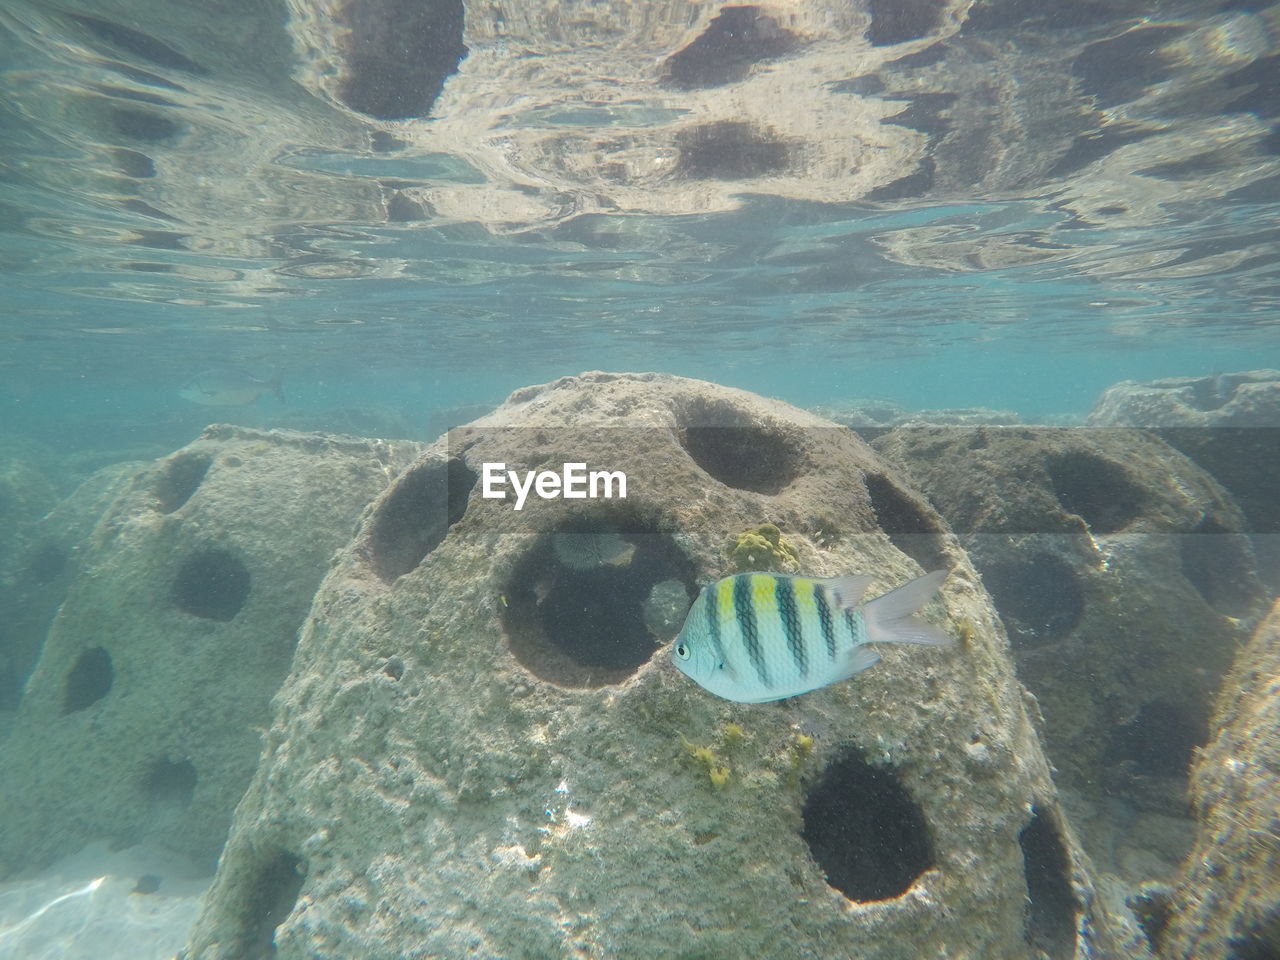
682, 651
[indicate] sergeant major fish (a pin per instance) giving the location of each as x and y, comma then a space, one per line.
229, 388
756, 637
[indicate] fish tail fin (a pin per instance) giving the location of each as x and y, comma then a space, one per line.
889, 618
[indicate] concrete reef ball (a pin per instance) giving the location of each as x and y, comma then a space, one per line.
477, 752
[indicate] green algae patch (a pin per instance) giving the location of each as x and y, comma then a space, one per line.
717, 772
762, 549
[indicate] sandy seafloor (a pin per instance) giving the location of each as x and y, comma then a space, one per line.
88, 907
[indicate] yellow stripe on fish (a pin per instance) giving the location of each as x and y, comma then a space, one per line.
756, 637
724, 599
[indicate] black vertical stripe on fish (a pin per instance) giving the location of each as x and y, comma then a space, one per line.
785, 593
713, 625
745, 612
824, 617
853, 625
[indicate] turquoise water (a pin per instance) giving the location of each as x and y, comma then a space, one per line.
167, 212
401, 210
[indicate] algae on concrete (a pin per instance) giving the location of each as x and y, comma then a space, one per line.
481, 749
763, 548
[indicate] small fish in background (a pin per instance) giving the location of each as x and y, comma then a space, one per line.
757, 637
591, 551
228, 387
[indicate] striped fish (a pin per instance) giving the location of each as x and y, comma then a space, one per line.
756, 637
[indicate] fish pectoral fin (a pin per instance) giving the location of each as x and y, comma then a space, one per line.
856, 660
847, 591
728, 671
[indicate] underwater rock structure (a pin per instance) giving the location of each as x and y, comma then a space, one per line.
1247, 399
1228, 423
484, 750
1226, 902
36, 570
1121, 573
179, 623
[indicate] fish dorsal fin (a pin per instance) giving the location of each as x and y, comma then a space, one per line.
847, 591
856, 660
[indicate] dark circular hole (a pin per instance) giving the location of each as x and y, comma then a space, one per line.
170, 785
1221, 567
1051, 902
89, 680
580, 604
744, 457
212, 584
181, 477
865, 831
268, 896
909, 522
416, 515
1096, 490
1159, 741
1213, 393
1040, 599
147, 883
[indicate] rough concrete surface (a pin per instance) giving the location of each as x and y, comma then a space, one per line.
1122, 573
139, 722
1226, 902
1229, 423
482, 751
36, 570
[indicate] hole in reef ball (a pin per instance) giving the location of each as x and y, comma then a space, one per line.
414, 518
865, 831
212, 584
181, 478
1051, 903
1220, 567
147, 883
1096, 490
1159, 741
745, 457
1040, 600
89, 680
580, 606
171, 784
269, 897
909, 524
